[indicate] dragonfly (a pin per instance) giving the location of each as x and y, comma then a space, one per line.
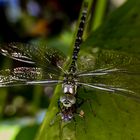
103, 70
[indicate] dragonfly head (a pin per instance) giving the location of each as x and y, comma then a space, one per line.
67, 100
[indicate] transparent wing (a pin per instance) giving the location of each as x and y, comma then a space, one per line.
26, 76
48, 58
111, 71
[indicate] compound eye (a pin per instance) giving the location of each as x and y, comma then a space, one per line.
62, 99
71, 99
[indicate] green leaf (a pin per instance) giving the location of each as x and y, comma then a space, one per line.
106, 116
121, 31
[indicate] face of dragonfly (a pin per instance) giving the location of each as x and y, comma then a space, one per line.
67, 109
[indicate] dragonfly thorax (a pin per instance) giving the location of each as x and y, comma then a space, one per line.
69, 89
69, 84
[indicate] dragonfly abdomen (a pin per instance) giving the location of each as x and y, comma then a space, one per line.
78, 40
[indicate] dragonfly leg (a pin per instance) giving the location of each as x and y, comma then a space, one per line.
89, 101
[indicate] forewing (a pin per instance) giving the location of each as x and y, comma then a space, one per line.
26, 76
113, 70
